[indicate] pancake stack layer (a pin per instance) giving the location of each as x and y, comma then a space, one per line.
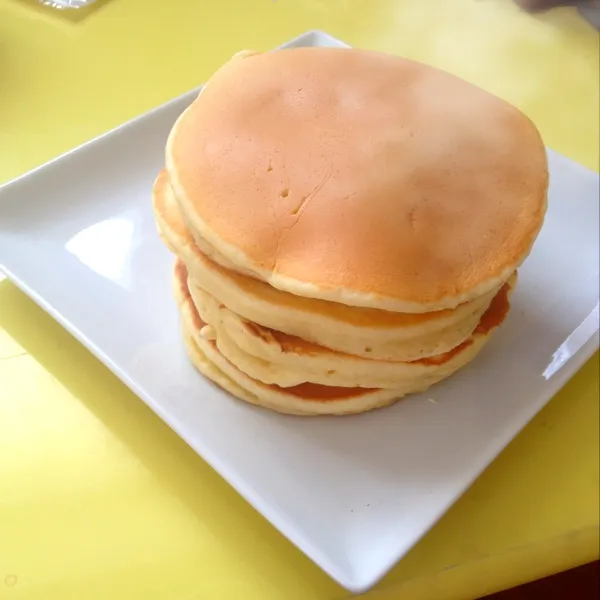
347, 225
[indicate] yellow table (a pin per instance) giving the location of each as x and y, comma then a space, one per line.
101, 501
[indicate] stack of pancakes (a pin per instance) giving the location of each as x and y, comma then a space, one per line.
347, 225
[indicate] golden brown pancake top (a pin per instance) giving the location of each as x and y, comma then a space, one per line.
166, 207
360, 177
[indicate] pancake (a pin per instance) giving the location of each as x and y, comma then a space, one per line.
359, 178
370, 333
305, 398
274, 357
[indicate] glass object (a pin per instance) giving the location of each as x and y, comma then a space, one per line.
62, 4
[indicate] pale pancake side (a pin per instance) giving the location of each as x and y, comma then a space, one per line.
272, 357
304, 399
212, 364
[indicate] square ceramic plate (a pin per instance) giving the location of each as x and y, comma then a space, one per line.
355, 493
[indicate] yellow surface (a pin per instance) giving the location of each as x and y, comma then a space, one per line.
98, 499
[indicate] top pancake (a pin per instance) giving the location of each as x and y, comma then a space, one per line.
359, 178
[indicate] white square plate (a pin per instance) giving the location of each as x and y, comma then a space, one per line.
355, 493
